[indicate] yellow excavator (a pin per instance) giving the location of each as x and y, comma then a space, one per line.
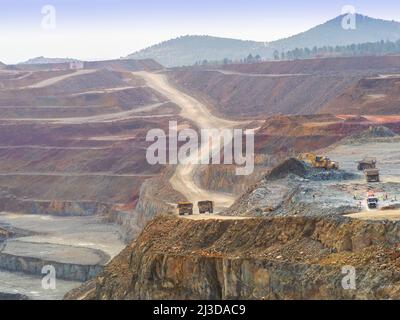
317, 161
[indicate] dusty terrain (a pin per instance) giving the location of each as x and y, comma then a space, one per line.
183, 178
72, 149
278, 258
90, 135
370, 95
294, 189
337, 85
72, 153
76, 128
299, 227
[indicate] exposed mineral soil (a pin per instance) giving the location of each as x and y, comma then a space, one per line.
73, 146
273, 258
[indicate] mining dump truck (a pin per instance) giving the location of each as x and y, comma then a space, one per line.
206, 206
367, 163
185, 207
372, 175
319, 161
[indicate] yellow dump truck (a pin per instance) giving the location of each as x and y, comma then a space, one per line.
372, 175
367, 163
185, 207
317, 161
206, 206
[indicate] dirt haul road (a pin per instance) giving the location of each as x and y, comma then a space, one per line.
51, 81
101, 118
393, 215
183, 179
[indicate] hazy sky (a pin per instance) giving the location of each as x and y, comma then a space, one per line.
103, 29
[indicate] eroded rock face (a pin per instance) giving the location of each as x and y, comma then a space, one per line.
274, 258
56, 208
65, 271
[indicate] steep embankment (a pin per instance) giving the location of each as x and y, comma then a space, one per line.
377, 95
284, 87
280, 258
281, 136
241, 95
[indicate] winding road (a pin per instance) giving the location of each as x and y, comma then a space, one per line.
183, 180
100, 118
54, 80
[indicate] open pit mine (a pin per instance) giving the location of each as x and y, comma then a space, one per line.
78, 194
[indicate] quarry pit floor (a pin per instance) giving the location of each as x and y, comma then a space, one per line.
65, 240
387, 153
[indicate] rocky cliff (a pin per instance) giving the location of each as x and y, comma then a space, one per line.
273, 258
10, 203
34, 266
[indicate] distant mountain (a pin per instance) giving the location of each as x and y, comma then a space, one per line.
331, 33
188, 50
43, 60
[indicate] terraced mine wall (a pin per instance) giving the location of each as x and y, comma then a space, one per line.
274, 258
33, 266
58, 208
132, 220
248, 96
337, 85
